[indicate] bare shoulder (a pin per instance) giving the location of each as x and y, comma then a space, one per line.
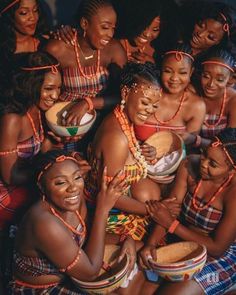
195, 100
116, 52
11, 121
57, 48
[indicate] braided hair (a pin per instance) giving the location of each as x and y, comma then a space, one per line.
133, 72
228, 139
88, 8
23, 90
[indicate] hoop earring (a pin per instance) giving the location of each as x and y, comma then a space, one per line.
122, 104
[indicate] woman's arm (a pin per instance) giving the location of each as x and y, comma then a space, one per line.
11, 169
62, 249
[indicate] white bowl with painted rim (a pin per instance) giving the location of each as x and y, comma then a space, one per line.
55, 115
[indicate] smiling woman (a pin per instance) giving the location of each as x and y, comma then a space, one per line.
22, 24
116, 147
34, 88
86, 63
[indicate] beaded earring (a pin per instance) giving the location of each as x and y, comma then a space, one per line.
122, 104
84, 34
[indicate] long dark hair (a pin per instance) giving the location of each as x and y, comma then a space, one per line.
23, 90
7, 30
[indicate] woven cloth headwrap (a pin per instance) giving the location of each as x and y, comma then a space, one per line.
217, 142
9, 6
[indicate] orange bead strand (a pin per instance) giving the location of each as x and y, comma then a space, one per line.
134, 146
212, 199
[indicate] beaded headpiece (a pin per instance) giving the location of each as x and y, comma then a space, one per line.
135, 86
9, 6
225, 25
59, 159
179, 54
53, 68
217, 142
215, 62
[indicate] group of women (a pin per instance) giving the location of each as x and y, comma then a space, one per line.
144, 69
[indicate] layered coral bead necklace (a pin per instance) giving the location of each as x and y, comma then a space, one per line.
222, 109
175, 114
212, 199
77, 47
134, 146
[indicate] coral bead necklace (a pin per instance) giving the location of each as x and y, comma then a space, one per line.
80, 233
77, 47
39, 136
175, 114
132, 141
212, 199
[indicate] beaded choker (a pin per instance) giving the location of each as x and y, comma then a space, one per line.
134, 146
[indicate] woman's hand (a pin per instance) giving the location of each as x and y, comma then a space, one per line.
129, 248
111, 191
159, 213
75, 113
173, 206
146, 255
149, 152
83, 164
65, 33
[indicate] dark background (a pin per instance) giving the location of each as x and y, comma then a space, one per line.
62, 11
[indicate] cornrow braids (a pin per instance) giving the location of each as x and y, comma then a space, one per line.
228, 139
88, 8
133, 72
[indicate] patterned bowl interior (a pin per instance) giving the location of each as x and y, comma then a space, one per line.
111, 275
54, 117
165, 143
180, 261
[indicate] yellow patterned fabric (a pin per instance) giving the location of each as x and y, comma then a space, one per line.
118, 222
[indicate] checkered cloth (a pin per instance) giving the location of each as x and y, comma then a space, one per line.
76, 86
206, 219
66, 289
209, 133
14, 198
218, 275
